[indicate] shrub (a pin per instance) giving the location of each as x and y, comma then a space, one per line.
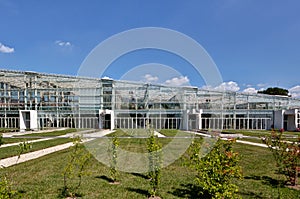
6, 191
216, 170
286, 155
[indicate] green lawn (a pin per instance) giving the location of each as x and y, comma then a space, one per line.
260, 177
42, 178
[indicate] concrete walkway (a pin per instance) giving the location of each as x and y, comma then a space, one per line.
69, 135
32, 155
159, 134
11, 134
36, 154
238, 141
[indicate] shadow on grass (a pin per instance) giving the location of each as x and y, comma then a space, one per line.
274, 183
251, 194
139, 191
107, 179
65, 193
141, 175
21, 191
189, 191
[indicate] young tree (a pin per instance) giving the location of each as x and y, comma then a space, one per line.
155, 158
113, 161
23, 148
1, 139
75, 168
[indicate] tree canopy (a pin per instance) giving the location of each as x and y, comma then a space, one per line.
275, 91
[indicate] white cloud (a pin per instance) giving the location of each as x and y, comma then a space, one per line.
225, 86
63, 43
178, 81
250, 90
295, 91
6, 49
206, 87
150, 78
248, 85
106, 78
261, 85
228, 86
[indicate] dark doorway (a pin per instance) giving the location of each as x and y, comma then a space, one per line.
285, 122
107, 121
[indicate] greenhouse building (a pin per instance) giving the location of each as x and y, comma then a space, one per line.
31, 101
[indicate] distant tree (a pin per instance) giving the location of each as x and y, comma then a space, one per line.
275, 91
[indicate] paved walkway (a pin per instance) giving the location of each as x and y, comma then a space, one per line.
36, 154
69, 135
11, 134
32, 155
238, 141
159, 134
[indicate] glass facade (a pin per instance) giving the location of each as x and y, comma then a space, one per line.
69, 101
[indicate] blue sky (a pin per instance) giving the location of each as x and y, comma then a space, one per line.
255, 44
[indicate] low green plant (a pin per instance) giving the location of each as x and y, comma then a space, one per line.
155, 158
75, 169
286, 155
6, 191
216, 170
113, 150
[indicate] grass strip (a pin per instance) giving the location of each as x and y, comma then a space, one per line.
15, 140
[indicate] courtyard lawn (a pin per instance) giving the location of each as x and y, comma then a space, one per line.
42, 178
